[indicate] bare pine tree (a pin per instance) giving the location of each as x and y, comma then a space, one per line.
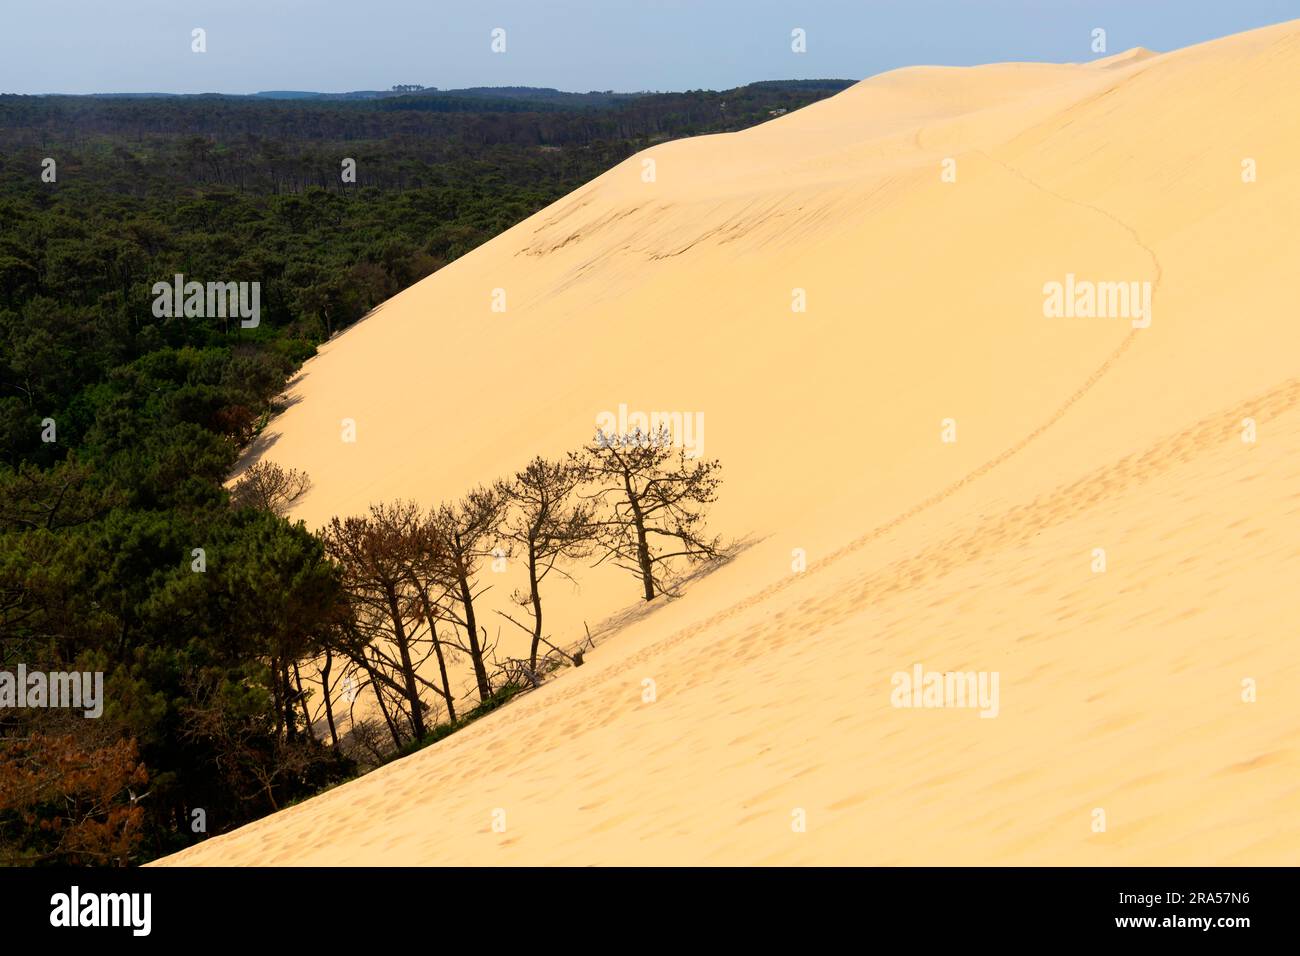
376, 554
654, 501
467, 531
268, 487
430, 571
549, 524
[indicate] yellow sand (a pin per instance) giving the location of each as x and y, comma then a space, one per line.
1120, 691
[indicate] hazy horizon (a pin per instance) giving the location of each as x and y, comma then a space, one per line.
144, 46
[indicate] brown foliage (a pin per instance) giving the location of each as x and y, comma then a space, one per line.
69, 802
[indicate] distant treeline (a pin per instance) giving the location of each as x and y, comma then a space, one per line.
477, 117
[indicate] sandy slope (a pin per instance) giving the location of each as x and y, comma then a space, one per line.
1119, 690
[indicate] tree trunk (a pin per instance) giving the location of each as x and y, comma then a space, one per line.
408, 670
276, 693
475, 650
383, 708
329, 702
290, 725
642, 546
302, 697
537, 607
447, 695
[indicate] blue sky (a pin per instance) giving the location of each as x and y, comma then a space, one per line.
97, 46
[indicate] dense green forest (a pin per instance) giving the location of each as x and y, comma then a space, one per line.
118, 427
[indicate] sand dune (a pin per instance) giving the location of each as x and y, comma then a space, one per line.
1127, 58
1120, 690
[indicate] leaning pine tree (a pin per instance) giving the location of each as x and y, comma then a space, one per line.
549, 525
374, 553
654, 498
467, 531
